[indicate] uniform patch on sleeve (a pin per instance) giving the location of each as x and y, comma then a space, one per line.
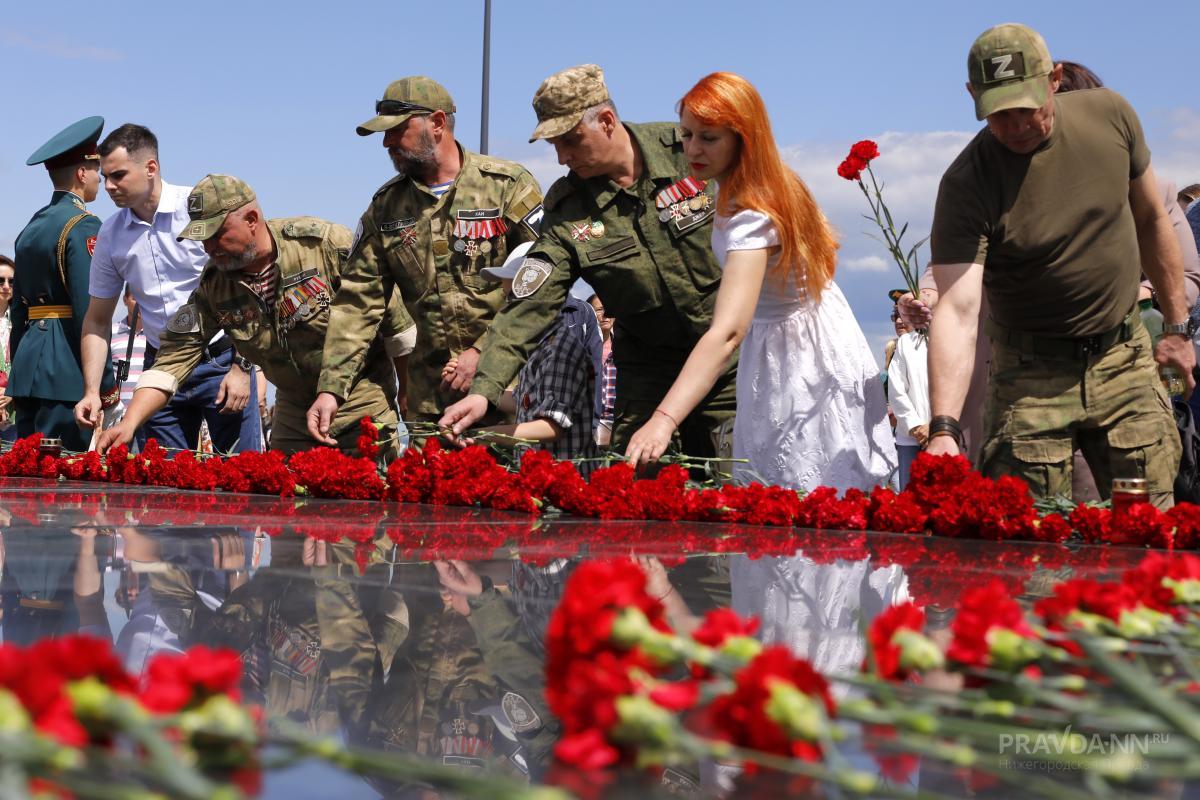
519, 713
91, 245
531, 276
186, 320
533, 220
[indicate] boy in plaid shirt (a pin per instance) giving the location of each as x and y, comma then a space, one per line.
555, 392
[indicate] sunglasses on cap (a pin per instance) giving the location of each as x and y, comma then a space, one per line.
393, 108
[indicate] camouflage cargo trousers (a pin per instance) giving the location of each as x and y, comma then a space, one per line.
1110, 405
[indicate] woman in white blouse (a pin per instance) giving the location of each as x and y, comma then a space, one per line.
810, 405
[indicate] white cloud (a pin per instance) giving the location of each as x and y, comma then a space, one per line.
910, 166
866, 264
1186, 123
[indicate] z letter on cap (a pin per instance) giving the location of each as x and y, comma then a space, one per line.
1004, 67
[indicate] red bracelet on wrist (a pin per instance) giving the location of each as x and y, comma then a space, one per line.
668, 416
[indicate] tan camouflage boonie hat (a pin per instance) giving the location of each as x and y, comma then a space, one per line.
406, 98
1007, 68
563, 97
210, 203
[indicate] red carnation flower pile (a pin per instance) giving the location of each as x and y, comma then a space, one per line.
944, 497
776, 703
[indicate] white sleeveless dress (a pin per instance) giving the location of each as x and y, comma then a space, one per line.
810, 405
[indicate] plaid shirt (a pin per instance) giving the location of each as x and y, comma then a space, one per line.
608, 384
558, 382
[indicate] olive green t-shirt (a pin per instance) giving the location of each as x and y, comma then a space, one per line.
1053, 229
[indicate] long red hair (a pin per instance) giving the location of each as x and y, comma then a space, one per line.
759, 180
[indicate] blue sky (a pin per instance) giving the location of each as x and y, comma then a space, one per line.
272, 91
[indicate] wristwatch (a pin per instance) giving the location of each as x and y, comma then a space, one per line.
1181, 328
243, 363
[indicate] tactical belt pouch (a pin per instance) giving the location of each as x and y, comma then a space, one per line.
1066, 346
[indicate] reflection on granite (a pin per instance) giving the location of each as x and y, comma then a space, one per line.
418, 628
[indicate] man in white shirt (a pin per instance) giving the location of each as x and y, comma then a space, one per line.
138, 246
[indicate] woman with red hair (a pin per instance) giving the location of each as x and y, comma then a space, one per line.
810, 406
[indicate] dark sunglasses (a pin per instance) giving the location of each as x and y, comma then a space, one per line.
6, 281
393, 108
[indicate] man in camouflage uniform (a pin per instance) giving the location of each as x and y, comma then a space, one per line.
629, 221
427, 233
269, 285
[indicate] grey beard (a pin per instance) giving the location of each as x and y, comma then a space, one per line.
237, 263
421, 161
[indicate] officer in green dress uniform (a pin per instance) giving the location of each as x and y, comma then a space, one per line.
630, 221
54, 255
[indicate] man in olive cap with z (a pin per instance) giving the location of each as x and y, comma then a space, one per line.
1051, 209
427, 234
630, 222
50, 296
269, 284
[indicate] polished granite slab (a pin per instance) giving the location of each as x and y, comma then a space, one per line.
345, 627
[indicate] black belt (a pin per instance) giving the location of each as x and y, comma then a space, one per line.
1065, 346
214, 350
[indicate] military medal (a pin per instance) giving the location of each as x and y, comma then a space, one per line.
408, 236
681, 193
581, 233
473, 229
302, 301
596, 229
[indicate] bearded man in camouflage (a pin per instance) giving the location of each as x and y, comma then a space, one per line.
427, 234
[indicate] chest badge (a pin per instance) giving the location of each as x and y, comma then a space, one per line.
681, 199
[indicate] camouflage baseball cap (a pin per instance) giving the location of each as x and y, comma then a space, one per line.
406, 98
1007, 68
211, 201
563, 97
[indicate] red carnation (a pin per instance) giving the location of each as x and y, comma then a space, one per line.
983, 613
866, 150
886, 652
851, 169
741, 717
